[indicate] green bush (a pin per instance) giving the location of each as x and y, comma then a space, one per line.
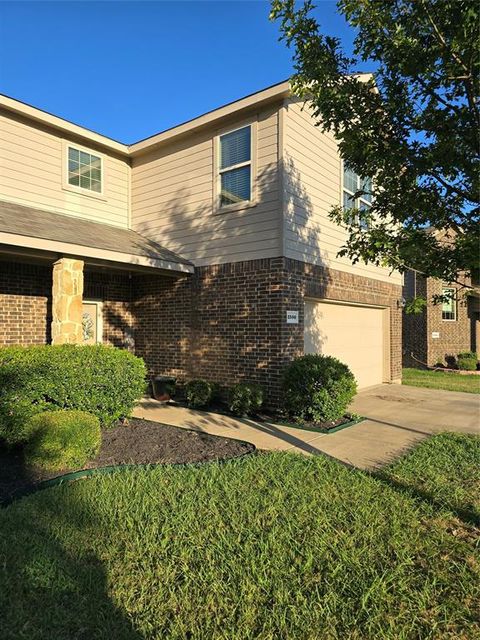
198, 393
245, 398
467, 361
62, 439
99, 379
318, 388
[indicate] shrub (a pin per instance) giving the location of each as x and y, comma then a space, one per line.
245, 398
62, 439
198, 393
99, 379
318, 388
467, 361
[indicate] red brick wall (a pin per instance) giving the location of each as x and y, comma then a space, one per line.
415, 349
455, 335
25, 303
115, 291
227, 323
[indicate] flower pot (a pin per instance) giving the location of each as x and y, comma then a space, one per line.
163, 388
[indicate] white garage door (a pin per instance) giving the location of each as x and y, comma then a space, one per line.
354, 335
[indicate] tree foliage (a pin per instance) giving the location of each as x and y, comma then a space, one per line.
413, 124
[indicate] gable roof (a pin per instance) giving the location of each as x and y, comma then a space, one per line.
259, 98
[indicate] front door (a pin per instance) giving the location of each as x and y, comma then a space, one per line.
92, 322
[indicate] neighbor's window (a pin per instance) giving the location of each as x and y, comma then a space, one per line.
84, 170
235, 166
352, 183
449, 307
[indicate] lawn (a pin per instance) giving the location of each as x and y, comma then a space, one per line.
441, 380
267, 547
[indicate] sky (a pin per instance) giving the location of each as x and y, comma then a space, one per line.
131, 69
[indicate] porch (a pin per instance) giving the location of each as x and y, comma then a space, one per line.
69, 280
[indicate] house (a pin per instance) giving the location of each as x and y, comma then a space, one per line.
443, 330
207, 248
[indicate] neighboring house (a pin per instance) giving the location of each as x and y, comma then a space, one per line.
207, 248
443, 330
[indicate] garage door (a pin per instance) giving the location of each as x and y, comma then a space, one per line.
354, 335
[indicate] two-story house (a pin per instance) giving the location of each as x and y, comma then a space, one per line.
207, 248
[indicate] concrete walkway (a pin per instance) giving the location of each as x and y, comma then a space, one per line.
398, 417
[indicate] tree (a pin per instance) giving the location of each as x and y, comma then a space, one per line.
412, 125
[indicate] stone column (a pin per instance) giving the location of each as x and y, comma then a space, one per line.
67, 294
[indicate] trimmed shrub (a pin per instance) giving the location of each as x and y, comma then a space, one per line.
99, 379
245, 398
467, 361
198, 393
62, 439
318, 388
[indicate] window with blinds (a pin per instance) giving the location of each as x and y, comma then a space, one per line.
235, 166
352, 184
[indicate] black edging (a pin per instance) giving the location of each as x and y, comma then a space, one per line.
66, 478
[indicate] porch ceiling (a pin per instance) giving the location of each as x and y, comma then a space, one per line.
31, 228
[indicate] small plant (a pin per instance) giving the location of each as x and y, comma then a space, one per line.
198, 393
245, 398
62, 439
467, 361
318, 388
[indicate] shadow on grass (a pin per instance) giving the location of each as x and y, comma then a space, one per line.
467, 515
55, 591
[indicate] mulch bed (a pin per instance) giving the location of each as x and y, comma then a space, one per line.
139, 442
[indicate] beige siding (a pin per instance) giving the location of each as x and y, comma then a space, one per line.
312, 186
31, 161
172, 199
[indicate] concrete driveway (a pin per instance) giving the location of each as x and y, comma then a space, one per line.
397, 418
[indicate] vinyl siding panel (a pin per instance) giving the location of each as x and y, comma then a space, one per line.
31, 163
173, 197
312, 186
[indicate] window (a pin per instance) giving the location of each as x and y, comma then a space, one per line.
84, 170
449, 307
352, 183
235, 167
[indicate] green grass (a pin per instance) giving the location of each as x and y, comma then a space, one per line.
441, 380
444, 469
268, 547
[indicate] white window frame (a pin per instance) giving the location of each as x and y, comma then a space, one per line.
454, 301
357, 202
99, 195
217, 180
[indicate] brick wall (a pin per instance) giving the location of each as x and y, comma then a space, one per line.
227, 322
312, 281
115, 291
415, 349
25, 303
455, 335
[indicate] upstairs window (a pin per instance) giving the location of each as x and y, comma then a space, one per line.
235, 167
84, 170
352, 183
449, 306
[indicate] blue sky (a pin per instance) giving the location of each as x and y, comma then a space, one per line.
131, 69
